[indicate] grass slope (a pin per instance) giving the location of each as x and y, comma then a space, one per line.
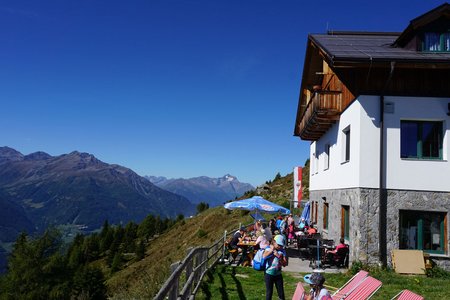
143, 279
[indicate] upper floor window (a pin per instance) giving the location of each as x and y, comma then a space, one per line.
346, 144
421, 139
436, 42
326, 157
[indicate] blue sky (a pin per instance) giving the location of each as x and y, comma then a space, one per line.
169, 88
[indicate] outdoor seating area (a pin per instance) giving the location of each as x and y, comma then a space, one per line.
300, 233
322, 252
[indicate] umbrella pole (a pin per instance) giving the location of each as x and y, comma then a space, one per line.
319, 263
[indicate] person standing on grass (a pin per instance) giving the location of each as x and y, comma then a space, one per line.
277, 259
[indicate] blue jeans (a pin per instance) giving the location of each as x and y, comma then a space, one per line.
278, 281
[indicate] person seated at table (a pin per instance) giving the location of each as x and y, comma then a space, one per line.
333, 253
264, 239
311, 230
302, 224
238, 237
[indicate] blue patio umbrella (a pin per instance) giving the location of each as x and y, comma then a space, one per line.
257, 216
305, 213
258, 204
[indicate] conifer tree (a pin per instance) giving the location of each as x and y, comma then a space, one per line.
116, 263
89, 283
140, 250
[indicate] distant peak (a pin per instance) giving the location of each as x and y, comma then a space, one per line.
8, 150
229, 177
39, 155
10, 154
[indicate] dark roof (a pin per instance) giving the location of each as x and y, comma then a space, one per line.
358, 46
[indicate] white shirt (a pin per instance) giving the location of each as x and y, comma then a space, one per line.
323, 293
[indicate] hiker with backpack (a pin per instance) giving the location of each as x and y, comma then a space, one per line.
276, 258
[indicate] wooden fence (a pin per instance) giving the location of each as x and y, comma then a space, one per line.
190, 272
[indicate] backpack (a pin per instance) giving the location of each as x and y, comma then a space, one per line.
260, 262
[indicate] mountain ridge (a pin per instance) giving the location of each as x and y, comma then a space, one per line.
77, 188
214, 191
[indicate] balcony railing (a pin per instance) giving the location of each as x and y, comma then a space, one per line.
321, 112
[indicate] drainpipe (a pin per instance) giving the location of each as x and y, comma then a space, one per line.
382, 184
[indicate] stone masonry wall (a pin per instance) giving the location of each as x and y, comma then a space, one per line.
364, 232
416, 200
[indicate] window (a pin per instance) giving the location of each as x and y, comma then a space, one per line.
346, 143
316, 163
345, 222
422, 231
325, 216
326, 152
314, 212
436, 42
421, 139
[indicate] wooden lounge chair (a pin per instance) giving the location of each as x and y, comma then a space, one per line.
365, 289
407, 295
350, 285
299, 292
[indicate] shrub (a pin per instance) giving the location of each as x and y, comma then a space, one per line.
201, 207
201, 233
437, 272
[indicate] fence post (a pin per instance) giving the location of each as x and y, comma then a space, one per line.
223, 246
173, 294
205, 259
189, 266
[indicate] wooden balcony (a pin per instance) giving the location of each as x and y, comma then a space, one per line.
322, 111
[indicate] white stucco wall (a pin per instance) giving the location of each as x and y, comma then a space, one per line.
363, 168
422, 175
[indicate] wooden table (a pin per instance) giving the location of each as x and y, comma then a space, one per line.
247, 255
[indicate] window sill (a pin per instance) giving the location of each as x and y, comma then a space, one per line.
437, 255
424, 159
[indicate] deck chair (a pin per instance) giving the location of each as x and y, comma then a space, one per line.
365, 289
407, 295
299, 292
350, 285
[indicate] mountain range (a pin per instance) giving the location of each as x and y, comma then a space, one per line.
39, 190
214, 191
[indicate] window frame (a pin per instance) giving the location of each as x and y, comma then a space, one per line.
345, 222
346, 133
419, 216
442, 37
420, 140
326, 210
326, 160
